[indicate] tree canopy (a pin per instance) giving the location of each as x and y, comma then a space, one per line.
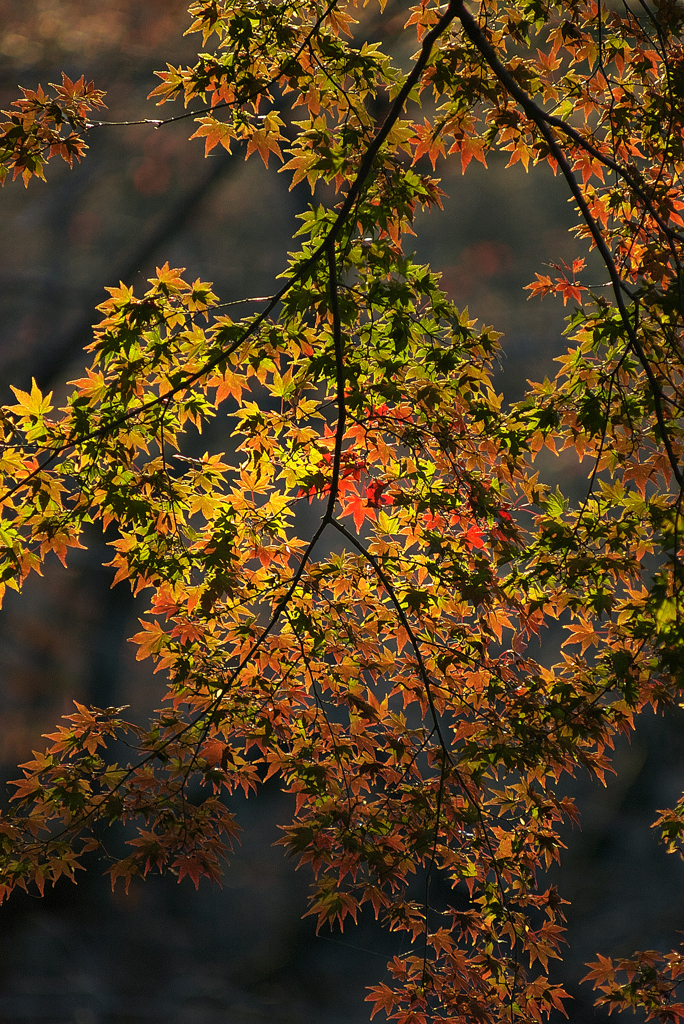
352, 599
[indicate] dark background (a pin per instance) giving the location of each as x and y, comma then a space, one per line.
243, 953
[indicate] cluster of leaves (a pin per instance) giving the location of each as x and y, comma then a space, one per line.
44, 125
348, 600
651, 982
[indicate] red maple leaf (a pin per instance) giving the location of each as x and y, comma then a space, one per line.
474, 537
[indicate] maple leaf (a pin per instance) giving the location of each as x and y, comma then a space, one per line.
125, 869
474, 537
383, 998
582, 632
541, 287
151, 640
265, 140
602, 970
427, 142
214, 132
33, 404
569, 290
375, 495
356, 505
193, 865
303, 164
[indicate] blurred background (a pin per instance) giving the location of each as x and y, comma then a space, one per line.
243, 953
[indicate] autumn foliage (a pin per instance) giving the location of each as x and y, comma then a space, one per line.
351, 600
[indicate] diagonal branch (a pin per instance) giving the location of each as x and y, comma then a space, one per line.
620, 288
446, 752
349, 202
